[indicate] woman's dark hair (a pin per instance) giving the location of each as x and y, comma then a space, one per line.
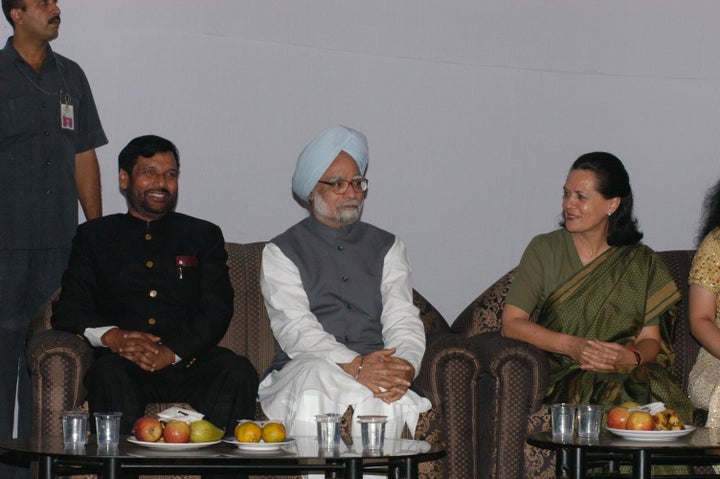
146, 146
612, 181
710, 212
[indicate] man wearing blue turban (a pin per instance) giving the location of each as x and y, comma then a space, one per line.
339, 297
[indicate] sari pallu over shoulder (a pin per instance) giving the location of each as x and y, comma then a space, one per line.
612, 299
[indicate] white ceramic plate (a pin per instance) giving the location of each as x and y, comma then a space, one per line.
651, 435
259, 446
172, 446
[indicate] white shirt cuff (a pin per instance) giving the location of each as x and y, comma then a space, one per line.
94, 335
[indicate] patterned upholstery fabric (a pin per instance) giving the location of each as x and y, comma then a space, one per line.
514, 379
686, 348
249, 333
483, 315
58, 360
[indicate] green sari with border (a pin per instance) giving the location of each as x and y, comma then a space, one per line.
612, 299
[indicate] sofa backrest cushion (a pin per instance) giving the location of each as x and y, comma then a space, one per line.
484, 313
249, 333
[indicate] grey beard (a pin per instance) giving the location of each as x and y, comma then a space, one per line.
341, 217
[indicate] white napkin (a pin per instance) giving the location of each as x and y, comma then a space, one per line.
180, 414
653, 408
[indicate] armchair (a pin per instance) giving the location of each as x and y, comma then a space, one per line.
515, 374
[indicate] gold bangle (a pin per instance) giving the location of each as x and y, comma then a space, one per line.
638, 356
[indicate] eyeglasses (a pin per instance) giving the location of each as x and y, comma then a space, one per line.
341, 186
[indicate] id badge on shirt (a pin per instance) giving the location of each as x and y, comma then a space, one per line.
67, 114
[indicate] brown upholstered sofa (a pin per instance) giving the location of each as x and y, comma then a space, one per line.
58, 361
514, 380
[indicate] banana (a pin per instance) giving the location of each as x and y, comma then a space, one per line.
667, 420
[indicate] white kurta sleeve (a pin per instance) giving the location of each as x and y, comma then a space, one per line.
294, 326
402, 327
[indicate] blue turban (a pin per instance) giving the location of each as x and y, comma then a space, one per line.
317, 156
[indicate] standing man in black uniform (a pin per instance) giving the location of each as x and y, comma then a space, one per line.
49, 129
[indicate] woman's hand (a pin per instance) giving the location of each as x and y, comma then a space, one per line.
603, 356
590, 354
516, 324
606, 356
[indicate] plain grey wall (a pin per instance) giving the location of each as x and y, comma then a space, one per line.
474, 110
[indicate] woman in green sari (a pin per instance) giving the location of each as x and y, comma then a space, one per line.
605, 302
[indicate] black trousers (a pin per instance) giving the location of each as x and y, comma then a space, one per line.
220, 384
27, 279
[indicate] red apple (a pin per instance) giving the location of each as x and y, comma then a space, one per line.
639, 421
147, 429
617, 417
177, 431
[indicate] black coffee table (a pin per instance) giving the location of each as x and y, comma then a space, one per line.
399, 456
572, 454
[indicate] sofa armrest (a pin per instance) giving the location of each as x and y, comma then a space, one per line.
514, 386
502, 356
449, 377
57, 361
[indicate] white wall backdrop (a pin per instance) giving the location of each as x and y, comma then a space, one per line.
474, 110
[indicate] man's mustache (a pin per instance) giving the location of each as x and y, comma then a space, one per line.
54, 18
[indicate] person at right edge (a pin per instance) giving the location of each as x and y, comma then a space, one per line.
606, 302
704, 281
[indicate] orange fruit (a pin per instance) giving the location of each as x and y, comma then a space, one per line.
273, 432
248, 432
